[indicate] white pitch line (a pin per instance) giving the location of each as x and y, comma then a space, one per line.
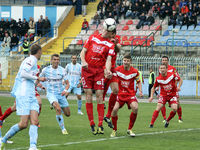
104, 139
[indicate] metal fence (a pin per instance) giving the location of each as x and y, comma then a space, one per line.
188, 68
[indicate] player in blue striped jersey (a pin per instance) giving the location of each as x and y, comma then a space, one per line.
73, 71
56, 90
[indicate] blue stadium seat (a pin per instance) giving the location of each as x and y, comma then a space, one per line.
187, 33
179, 43
181, 33
197, 28
177, 27
192, 44
166, 33
190, 28
184, 28
170, 27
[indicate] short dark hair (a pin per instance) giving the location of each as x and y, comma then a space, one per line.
54, 55
164, 64
35, 48
127, 56
74, 55
165, 57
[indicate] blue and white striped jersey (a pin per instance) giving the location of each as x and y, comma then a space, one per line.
55, 77
26, 85
73, 74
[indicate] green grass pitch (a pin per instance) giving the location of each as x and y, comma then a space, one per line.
184, 136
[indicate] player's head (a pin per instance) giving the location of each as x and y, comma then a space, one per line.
165, 60
151, 69
163, 69
36, 50
127, 61
74, 59
55, 60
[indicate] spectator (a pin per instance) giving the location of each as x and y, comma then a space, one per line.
150, 20
97, 20
152, 78
172, 19
179, 20
13, 25
129, 11
84, 7
7, 25
25, 47
31, 25
24, 27
142, 21
46, 26
168, 9
19, 27
144, 9
39, 27
198, 10
162, 11
136, 11
184, 10
193, 20
2, 23
156, 10
182, 3
1, 34
109, 9
14, 41
6, 40
185, 20
100, 6
85, 25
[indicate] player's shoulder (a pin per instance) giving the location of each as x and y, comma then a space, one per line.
61, 68
119, 68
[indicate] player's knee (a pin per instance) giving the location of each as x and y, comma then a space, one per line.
135, 110
67, 114
115, 91
23, 125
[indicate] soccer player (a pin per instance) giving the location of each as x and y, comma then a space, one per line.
113, 82
56, 91
165, 60
73, 71
168, 88
126, 76
96, 54
26, 102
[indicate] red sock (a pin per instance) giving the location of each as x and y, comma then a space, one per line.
163, 111
132, 120
171, 115
89, 109
111, 104
114, 122
40, 109
100, 110
154, 117
0, 112
6, 114
106, 86
179, 112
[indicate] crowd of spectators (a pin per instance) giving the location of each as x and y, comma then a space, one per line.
12, 31
181, 12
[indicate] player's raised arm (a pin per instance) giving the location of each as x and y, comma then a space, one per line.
82, 55
152, 92
108, 73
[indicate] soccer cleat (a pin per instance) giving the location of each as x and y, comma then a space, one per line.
104, 106
80, 113
108, 121
100, 130
166, 124
151, 126
33, 148
94, 129
180, 121
51, 107
64, 132
1, 123
2, 146
164, 120
130, 132
113, 134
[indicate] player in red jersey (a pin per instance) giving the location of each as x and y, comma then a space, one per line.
168, 88
96, 54
12, 109
165, 60
126, 76
113, 82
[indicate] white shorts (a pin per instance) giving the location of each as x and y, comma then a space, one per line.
24, 104
76, 90
62, 101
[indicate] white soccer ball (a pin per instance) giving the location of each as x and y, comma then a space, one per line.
109, 24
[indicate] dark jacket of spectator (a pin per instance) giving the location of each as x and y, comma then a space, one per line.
14, 41
46, 26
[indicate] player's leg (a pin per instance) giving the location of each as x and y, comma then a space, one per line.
0, 112
7, 113
174, 105
133, 116
163, 111
179, 112
106, 86
77, 91
114, 117
155, 114
100, 110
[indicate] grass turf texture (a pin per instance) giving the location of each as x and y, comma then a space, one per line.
80, 136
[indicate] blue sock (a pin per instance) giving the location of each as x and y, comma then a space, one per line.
79, 102
33, 134
60, 121
13, 130
0, 132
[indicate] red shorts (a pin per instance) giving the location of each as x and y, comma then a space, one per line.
170, 99
177, 95
128, 100
93, 78
36, 93
108, 81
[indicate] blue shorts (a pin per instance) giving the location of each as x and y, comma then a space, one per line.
76, 90
24, 104
62, 101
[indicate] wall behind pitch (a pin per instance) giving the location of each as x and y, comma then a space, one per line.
16, 12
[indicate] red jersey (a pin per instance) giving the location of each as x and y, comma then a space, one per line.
167, 84
117, 37
126, 81
171, 69
98, 48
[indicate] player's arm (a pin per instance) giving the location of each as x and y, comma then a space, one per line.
180, 82
64, 92
139, 85
152, 92
82, 55
108, 73
30, 76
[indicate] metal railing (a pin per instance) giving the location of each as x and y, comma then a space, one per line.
174, 44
